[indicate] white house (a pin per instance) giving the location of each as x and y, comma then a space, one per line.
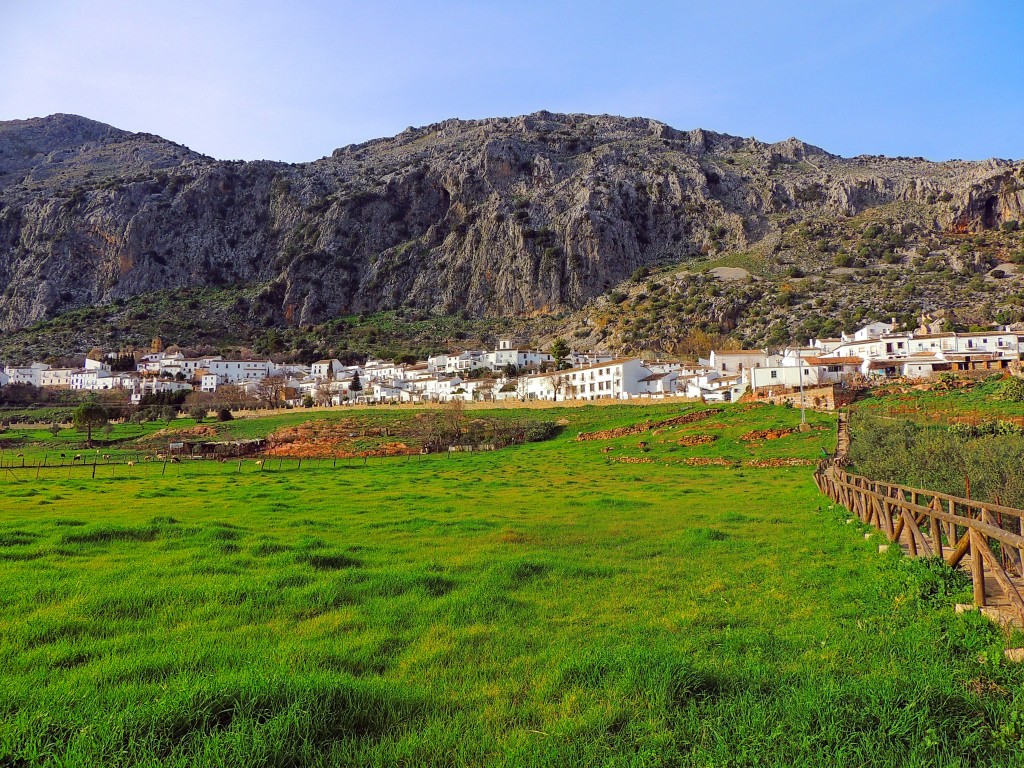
29, 374
240, 371
870, 331
155, 386
715, 386
95, 379
616, 379
57, 378
739, 360
326, 369
380, 370
782, 376
661, 384
581, 359
538, 386
508, 354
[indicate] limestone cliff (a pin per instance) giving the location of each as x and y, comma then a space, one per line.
522, 215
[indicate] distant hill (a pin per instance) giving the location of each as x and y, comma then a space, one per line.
525, 216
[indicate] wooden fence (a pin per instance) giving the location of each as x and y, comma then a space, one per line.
982, 537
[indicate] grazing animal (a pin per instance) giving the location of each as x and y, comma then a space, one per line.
147, 457
77, 457
159, 457
106, 455
131, 463
259, 463
21, 455
63, 456
175, 460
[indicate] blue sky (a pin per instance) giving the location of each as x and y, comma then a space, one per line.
293, 80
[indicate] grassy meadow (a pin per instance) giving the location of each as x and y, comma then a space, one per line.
553, 604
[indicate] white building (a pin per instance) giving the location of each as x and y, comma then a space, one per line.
29, 374
739, 360
326, 369
616, 379
716, 387
240, 371
151, 386
57, 378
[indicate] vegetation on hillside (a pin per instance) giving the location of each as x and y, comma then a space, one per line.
822, 278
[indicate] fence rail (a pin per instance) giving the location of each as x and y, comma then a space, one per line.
984, 538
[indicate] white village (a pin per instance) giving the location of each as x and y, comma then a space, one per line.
514, 372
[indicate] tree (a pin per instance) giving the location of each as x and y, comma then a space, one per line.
198, 413
356, 385
559, 351
454, 418
168, 413
270, 390
324, 393
55, 429
88, 416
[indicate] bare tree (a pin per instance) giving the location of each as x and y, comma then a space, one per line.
454, 418
270, 391
324, 393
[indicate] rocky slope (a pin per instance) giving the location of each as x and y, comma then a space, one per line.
520, 216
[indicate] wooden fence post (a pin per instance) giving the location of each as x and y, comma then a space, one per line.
977, 567
935, 530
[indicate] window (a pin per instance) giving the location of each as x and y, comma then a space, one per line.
775, 374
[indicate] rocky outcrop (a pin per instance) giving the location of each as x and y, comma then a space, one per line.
524, 215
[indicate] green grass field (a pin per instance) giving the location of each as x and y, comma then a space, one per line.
541, 605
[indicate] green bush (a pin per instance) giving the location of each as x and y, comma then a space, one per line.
1013, 390
901, 451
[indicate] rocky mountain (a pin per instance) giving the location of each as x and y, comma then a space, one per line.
520, 216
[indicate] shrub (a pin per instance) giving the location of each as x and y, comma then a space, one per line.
224, 414
539, 431
1013, 390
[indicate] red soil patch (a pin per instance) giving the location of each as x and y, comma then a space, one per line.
637, 429
767, 434
691, 440
333, 439
199, 430
703, 461
791, 462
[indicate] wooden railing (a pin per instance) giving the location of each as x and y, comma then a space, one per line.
932, 524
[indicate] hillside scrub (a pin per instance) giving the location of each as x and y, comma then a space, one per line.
942, 458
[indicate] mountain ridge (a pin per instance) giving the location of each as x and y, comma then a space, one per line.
529, 215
